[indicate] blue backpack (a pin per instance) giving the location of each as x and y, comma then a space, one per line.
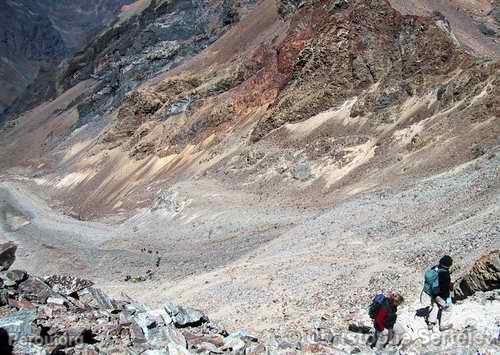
431, 281
377, 301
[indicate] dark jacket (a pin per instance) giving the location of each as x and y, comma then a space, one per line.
386, 316
444, 282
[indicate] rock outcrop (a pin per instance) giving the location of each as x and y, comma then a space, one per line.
151, 40
483, 276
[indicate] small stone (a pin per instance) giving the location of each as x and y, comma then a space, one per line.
174, 349
302, 171
4, 297
356, 328
16, 276
7, 255
185, 316
233, 344
56, 300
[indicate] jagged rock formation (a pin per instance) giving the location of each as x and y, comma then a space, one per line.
362, 58
483, 276
138, 47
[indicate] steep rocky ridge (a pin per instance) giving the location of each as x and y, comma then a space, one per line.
331, 98
35, 37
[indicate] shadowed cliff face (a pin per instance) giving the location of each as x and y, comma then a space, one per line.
27, 38
36, 35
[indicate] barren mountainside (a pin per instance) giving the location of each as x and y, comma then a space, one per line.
273, 162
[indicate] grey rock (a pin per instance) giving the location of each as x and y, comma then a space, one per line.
486, 30
67, 284
496, 13
4, 297
57, 300
8, 283
133, 308
161, 316
185, 316
26, 348
244, 335
95, 298
147, 323
209, 347
7, 255
174, 349
172, 335
214, 328
234, 344
302, 171
385, 100
339, 4
16, 276
18, 325
136, 333
35, 289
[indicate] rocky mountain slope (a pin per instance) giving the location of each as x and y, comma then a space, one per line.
341, 96
274, 163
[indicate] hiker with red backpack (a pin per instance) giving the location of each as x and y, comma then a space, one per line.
383, 311
438, 286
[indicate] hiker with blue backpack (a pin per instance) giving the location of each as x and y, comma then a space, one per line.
383, 310
438, 286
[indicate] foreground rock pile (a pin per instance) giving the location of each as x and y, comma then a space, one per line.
62, 314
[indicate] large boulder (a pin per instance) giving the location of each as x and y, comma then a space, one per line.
7, 255
484, 276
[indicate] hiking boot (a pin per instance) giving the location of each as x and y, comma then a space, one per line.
371, 341
443, 328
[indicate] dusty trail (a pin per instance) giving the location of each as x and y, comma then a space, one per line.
48, 241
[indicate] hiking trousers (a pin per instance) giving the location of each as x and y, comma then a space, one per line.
437, 307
